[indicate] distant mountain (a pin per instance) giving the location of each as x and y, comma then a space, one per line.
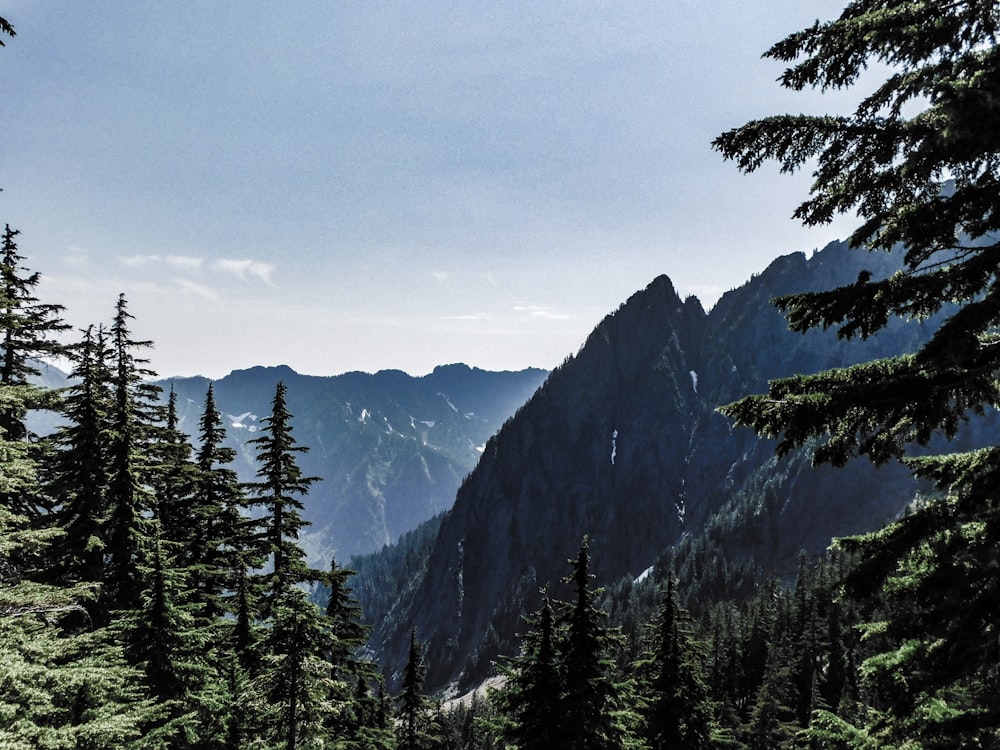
623, 443
391, 449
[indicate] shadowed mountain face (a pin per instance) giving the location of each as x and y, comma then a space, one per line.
391, 449
623, 443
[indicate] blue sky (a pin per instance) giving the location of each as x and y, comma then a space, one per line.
372, 185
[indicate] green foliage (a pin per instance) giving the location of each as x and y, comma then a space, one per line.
415, 729
127, 614
918, 161
679, 712
564, 690
279, 492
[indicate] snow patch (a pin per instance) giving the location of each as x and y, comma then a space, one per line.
644, 574
447, 401
428, 423
240, 422
694, 380
365, 416
614, 446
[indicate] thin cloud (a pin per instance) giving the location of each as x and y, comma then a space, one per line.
197, 289
244, 267
538, 311
469, 316
440, 276
139, 261
181, 263
184, 263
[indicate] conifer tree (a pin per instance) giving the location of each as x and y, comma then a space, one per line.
29, 328
291, 681
133, 418
413, 715
295, 683
279, 490
221, 539
172, 476
165, 640
919, 161
62, 686
679, 713
78, 479
349, 674
532, 696
593, 710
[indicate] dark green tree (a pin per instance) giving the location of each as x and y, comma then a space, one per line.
413, 716
78, 478
294, 691
221, 539
63, 685
595, 714
172, 477
279, 491
350, 674
348, 632
175, 652
679, 712
919, 161
134, 415
29, 328
532, 696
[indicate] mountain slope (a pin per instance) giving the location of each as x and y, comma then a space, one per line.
391, 449
622, 443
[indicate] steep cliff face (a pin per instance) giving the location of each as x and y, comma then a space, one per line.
623, 443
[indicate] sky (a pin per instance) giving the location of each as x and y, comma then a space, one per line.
373, 185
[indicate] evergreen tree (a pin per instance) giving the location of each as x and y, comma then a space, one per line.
133, 418
164, 639
413, 715
61, 687
279, 490
220, 538
594, 713
78, 479
918, 160
172, 477
349, 674
28, 328
294, 686
27, 333
532, 696
679, 714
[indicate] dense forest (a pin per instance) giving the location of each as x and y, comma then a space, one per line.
150, 600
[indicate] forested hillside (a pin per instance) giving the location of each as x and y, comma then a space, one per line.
624, 443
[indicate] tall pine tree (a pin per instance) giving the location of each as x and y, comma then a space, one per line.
78, 474
134, 414
279, 491
532, 696
679, 713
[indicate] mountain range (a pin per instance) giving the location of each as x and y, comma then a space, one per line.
623, 444
391, 449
